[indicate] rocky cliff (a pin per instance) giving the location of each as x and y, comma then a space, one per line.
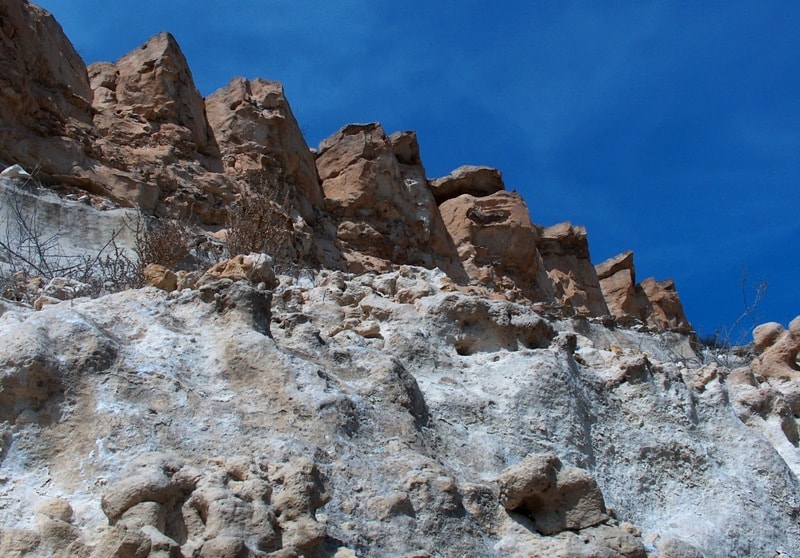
138, 133
429, 374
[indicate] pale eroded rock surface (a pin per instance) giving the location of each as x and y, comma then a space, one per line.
366, 423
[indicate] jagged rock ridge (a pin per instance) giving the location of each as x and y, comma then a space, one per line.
138, 132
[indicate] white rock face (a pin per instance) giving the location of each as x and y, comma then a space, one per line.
375, 416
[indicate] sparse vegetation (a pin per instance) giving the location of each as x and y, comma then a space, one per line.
164, 242
259, 223
29, 255
729, 344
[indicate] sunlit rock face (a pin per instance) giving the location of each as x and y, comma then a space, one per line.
433, 375
655, 303
376, 191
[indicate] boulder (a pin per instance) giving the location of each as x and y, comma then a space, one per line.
565, 252
467, 179
255, 268
384, 212
779, 349
158, 276
554, 497
497, 243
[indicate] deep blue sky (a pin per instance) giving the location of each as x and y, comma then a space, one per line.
668, 128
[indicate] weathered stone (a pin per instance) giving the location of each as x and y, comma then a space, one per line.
655, 303
152, 120
384, 211
255, 268
156, 275
260, 141
497, 243
555, 498
533, 475
468, 179
45, 98
617, 278
16, 543
151, 478
565, 252
55, 509
663, 307
779, 349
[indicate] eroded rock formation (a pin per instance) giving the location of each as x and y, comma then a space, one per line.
655, 303
138, 132
376, 191
437, 375
379, 414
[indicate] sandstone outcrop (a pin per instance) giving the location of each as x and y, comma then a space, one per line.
261, 143
617, 278
155, 141
45, 98
655, 303
384, 211
138, 132
663, 306
468, 179
497, 244
565, 252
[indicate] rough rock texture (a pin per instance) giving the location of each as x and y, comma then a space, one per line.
779, 348
468, 179
655, 303
497, 244
384, 211
362, 423
155, 139
565, 252
476, 403
138, 133
555, 498
156, 275
617, 278
45, 98
260, 141
663, 308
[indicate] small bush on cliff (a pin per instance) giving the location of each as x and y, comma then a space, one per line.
259, 223
163, 241
730, 345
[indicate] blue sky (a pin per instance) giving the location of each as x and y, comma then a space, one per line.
668, 128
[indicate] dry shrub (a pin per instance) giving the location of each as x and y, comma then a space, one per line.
164, 242
259, 224
31, 255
